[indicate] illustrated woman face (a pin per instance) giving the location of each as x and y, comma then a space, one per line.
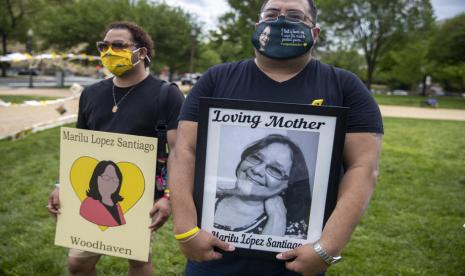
108, 181
265, 173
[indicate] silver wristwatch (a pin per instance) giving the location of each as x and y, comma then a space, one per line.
328, 259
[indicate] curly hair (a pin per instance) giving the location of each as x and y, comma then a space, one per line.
139, 36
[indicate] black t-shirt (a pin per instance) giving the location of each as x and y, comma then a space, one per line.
244, 80
137, 112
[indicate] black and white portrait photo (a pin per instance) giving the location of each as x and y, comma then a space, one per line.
264, 184
266, 173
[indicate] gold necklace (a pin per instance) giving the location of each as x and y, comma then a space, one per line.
115, 107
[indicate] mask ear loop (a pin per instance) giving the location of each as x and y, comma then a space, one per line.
146, 57
133, 52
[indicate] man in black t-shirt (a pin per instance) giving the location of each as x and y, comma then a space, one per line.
127, 103
282, 71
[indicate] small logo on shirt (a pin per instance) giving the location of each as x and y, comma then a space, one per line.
318, 102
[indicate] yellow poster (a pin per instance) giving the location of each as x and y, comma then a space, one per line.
106, 192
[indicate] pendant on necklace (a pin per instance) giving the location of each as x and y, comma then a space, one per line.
114, 109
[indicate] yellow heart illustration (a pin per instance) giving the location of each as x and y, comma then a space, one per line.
131, 189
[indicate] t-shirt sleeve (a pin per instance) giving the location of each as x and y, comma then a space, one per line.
203, 88
364, 114
82, 119
175, 101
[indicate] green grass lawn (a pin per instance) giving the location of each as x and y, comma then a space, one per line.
415, 101
414, 225
21, 98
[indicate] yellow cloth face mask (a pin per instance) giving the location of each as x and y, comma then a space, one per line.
119, 62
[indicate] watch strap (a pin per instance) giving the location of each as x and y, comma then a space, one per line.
328, 259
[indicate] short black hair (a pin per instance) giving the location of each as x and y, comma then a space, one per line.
313, 10
297, 197
139, 36
93, 191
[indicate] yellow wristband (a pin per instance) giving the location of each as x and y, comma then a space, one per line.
187, 234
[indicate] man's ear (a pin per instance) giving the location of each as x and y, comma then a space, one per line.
316, 33
142, 53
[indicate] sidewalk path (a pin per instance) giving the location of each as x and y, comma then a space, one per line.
15, 119
20, 118
58, 92
422, 113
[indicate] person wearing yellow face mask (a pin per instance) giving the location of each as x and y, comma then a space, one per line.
126, 103
117, 57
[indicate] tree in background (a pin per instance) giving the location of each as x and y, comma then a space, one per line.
16, 17
82, 22
406, 64
170, 29
374, 26
447, 52
232, 41
207, 57
390, 41
349, 59
70, 23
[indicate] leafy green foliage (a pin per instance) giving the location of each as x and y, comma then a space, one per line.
438, 53
80, 22
207, 58
347, 59
451, 76
448, 45
232, 40
16, 17
399, 44
447, 52
170, 29
83, 23
374, 26
406, 66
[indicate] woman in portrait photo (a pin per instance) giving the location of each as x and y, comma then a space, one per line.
101, 205
271, 195
264, 38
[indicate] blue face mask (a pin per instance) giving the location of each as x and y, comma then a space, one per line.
282, 39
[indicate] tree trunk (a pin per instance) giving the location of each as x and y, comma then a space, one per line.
423, 90
371, 62
370, 71
4, 48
